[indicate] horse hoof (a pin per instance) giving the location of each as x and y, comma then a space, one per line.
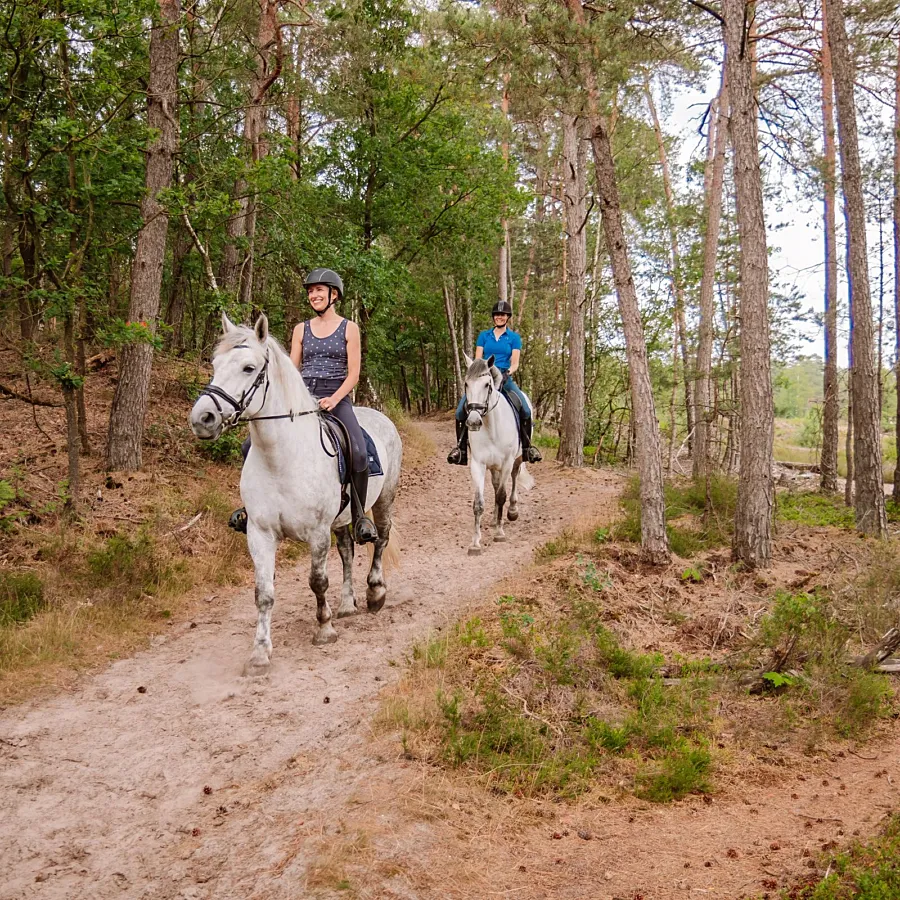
500, 538
512, 515
325, 635
375, 597
474, 551
345, 612
256, 668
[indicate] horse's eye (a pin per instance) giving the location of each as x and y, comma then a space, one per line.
249, 369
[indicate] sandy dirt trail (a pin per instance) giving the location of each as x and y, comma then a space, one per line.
195, 785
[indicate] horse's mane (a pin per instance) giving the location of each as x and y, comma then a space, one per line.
284, 373
480, 367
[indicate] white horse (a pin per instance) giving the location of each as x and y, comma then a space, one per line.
494, 445
289, 484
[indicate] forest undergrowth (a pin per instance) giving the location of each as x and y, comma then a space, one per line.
597, 676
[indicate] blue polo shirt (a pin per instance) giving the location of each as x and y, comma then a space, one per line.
500, 348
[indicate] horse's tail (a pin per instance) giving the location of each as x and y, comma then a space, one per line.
392, 556
525, 479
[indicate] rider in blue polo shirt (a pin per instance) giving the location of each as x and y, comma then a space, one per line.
506, 347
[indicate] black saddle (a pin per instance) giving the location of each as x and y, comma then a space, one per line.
334, 431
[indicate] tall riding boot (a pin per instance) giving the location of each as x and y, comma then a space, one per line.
459, 455
529, 454
364, 530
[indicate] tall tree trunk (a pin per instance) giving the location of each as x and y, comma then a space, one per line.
451, 324
503, 260
869, 499
832, 406
677, 275
571, 443
126, 421
654, 541
752, 543
896, 492
468, 326
269, 50
714, 182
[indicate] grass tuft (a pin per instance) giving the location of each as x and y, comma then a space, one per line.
814, 510
21, 597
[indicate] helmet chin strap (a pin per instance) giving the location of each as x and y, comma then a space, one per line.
331, 303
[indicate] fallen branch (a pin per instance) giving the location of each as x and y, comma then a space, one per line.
187, 525
881, 651
15, 395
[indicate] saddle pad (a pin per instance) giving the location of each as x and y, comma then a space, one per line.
371, 452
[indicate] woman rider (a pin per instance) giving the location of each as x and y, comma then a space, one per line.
506, 347
326, 349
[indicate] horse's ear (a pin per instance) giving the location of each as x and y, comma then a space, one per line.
490, 361
227, 324
468, 360
262, 329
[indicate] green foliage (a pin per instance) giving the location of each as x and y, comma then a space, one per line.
132, 566
684, 771
699, 515
814, 510
501, 724
224, 449
21, 597
868, 871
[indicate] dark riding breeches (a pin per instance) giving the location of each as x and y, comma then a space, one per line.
325, 387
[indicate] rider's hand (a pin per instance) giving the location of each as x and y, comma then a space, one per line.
328, 403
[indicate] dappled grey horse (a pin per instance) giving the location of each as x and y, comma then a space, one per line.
289, 484
494, 446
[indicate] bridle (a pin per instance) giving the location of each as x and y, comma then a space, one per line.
484, 408
235, 417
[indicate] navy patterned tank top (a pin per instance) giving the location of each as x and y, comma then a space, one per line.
325, 357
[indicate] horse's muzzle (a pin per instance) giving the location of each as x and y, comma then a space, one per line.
205, 420
474, 421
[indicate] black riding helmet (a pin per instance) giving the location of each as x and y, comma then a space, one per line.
501, 308
329, 277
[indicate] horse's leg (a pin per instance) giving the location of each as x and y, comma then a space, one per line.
499, 476
377, 590
262, 545
477, 471
513, 512
345, 549
318, 582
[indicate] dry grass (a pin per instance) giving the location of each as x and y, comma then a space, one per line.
109, 586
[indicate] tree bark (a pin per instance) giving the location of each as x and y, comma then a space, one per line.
677, 276
126, 422
752, 542
454, 343
869, 494
702, 458
503, 261
654, 541
831, 407
571, 443
896, 491
269, 49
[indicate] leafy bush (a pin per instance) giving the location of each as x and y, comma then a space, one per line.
21, 597
225, 449
814, 510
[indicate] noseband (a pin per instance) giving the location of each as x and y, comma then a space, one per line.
483, 408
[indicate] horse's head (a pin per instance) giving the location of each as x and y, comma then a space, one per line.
482, 383
240, 379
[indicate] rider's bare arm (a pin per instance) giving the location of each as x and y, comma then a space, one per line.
514, 361
353, 363
297, 345
479, 353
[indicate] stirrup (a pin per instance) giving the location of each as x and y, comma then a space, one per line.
364, 531
238, 520
532, 455
458, 457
